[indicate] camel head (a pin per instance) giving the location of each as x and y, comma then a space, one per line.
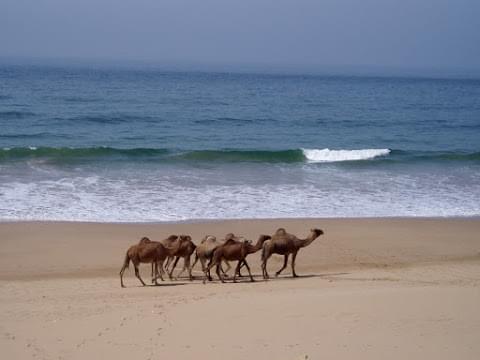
317, 232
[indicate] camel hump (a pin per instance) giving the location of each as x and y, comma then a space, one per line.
229, 236
229, 242
185, 237
144, 240
172, 238
208, 238
280, 231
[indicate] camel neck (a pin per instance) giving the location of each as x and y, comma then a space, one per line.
257, 246
305, 242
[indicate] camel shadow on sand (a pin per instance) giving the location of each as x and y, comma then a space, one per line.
162, 285
259, 278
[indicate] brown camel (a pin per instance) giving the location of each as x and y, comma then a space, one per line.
147, 251
169, 242
205, 250
285, 244
186, 250
233, 250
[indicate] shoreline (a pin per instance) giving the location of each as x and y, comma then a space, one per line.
220, 220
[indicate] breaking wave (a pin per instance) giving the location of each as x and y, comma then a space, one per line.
66, 154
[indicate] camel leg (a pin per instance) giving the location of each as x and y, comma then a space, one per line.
155, 264
159, 271
169, 261
264, 266
285, 261
205, 268
237, 269
244, 262
228, 268
195, 261
173, 267
294, 256
187, 265
219, 274
137, 274
153, 273
121, 275
208, 271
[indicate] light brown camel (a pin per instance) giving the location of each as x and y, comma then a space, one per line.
147, 251
205, 250
285, 244
233, 250
186, 250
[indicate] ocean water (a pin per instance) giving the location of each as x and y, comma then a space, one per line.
134, 145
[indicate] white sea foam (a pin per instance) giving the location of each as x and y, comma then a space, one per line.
327, 155
162, 196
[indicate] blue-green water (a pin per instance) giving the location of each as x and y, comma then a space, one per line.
147, 145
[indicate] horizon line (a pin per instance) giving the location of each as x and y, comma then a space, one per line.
171, 65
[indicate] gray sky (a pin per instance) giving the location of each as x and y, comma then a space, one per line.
397, 33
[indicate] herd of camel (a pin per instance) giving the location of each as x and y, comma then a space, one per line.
212, 252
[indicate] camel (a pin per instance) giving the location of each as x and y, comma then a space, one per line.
233, 250
186, 250
205, 250
285, 244
169, 242
147, 251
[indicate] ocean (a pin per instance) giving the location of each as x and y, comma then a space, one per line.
146, 145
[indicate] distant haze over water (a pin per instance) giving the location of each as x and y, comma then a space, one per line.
139, 143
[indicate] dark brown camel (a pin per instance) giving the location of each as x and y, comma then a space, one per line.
285, 244
185, 251
167, 242
233, 250
147, 251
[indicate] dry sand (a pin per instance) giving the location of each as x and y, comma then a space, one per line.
369, 289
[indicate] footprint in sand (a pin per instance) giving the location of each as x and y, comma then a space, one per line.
9, 336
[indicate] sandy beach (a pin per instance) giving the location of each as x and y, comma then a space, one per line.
368, 288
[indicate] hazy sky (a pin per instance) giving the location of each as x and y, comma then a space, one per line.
399, 33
